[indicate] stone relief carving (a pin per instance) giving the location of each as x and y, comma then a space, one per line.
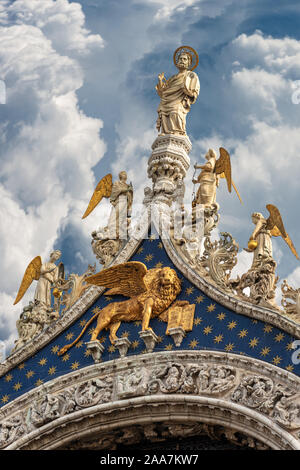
278, 400
93, 392
132, 382
50, 407
34, 318
272, 399
174, 377
219, 258
262, 281
291, 309
12, 429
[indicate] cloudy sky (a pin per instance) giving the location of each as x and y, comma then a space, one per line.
80, 102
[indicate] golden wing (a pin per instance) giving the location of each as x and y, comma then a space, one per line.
126, 279
275, 222
276, 227
103, 189
223, 165
32, 273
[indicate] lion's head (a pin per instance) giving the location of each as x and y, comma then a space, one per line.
166, 282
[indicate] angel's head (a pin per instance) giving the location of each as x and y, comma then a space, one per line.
55, 255
211, 154
256, 217
123, 176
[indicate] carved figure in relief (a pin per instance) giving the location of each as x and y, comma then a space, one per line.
178, 93
151, 292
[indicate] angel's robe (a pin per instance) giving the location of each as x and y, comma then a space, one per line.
206, 193
176, 97
121, 200
264, 245
48, 275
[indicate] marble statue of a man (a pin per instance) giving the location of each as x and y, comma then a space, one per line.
177, 94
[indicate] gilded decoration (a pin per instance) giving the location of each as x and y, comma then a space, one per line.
187, 326
151, 292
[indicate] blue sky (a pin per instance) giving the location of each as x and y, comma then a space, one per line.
81, 101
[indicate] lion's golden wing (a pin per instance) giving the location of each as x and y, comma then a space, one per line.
103, 189
223, 165
276, 227
126, 279
32, 272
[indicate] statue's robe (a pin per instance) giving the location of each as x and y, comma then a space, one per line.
121, 200
264, 246
206, 193
177, 96
43, 288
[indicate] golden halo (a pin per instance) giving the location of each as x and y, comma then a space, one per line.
190, 52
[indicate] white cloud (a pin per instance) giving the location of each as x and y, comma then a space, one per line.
60, 21
49, 146
167, 7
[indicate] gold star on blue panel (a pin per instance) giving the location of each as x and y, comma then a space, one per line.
215, 328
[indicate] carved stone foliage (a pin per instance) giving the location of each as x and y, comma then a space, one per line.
262, 281
132, 382
49, 407
12, 429
230, 383
73, 288
177, 378
33, 320
106, 249
167, 167
193, 378
272, 399
291, 309
219, 258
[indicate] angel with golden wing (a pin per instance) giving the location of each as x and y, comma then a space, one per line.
121, 196
260, 242
47, 274
210, 176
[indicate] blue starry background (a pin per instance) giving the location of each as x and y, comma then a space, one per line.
215, 328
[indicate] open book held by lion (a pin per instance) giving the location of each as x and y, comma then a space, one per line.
151, 294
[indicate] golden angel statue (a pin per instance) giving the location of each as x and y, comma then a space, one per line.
121, 196
47, 274
210, 176
150, 294
260, 242
178, 93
